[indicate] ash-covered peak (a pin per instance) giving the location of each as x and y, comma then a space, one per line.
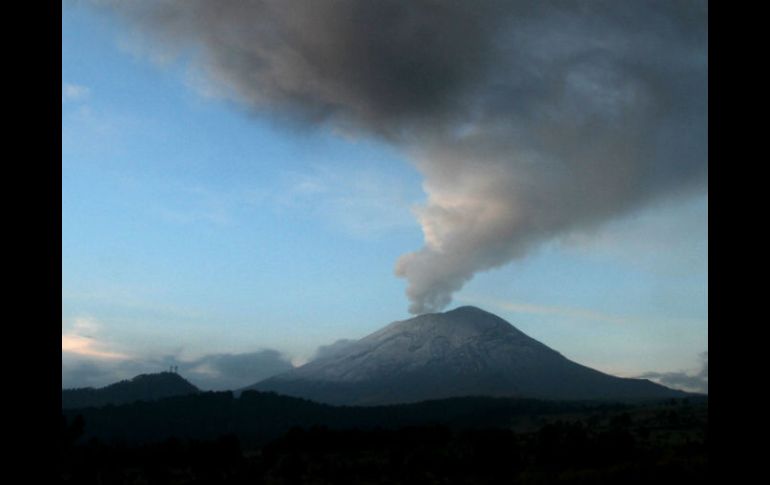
462, 352
468, 309
458, 327
467, 317
477, 318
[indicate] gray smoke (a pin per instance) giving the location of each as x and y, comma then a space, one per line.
528, 120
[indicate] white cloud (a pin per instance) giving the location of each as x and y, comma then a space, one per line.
74, 92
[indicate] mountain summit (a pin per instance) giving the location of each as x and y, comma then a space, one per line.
463, 352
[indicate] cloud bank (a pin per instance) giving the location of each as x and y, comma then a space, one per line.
213, 372
529, 120
233, 371
334, 348
688, 381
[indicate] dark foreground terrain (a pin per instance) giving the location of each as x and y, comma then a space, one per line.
263, 438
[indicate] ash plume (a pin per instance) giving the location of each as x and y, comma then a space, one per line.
529, 120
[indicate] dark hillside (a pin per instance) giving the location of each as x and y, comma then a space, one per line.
212, 438
257, 417
144, 387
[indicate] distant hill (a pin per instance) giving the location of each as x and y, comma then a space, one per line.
463, 352
144, 387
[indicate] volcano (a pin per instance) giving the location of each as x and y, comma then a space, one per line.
463, 352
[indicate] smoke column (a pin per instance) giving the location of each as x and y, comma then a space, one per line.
528, 120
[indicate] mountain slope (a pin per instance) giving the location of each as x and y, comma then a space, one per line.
144, 387
463, 352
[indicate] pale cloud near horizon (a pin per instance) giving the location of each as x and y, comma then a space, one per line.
693, 381
82, 340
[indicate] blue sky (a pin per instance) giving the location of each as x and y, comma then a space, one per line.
191, 227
